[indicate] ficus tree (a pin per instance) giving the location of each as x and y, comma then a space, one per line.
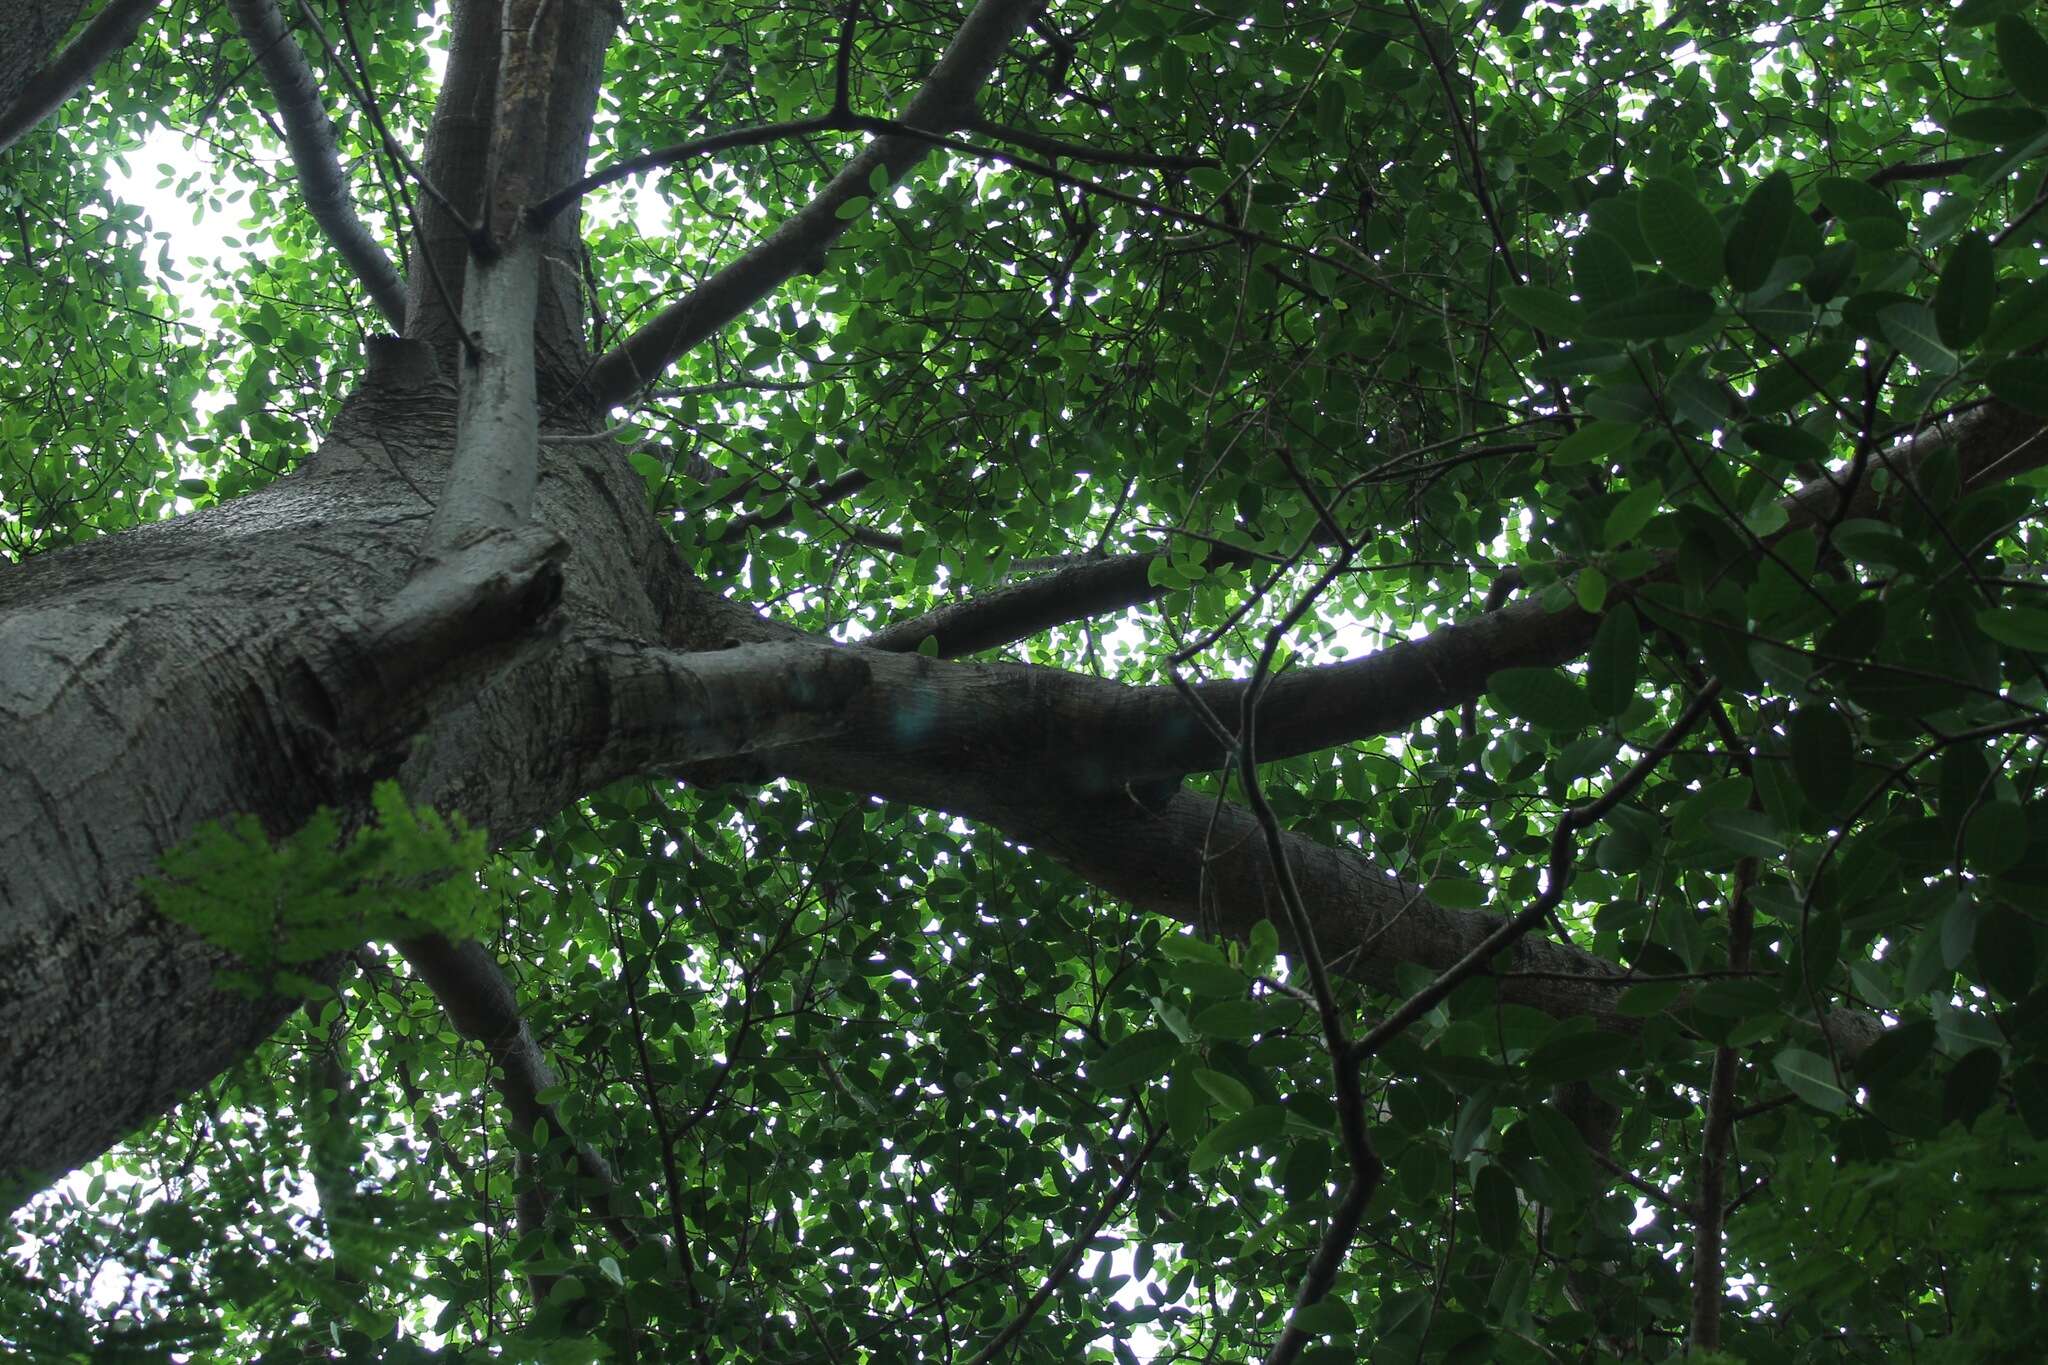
1031, 680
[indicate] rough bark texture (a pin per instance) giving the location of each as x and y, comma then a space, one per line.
29, 30
188, 671
260, 657
34, 82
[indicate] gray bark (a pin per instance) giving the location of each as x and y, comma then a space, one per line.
192, 670
34, 84
29, 30
315, 156
277, 654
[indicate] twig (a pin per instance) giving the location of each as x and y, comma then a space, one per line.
1070, 1256
1707, 1258
1556, 877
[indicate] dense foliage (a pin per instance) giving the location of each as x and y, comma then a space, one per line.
1372, 317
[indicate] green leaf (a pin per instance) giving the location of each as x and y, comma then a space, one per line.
1851, 199
852, 208
1562, 1149
1581, 1055
1736, 999
1680, 231
1748, 832
1971, 13
2021, 322
1662, 312
1593, 441
1962, 301
1327, 1316
1757, 239
1544, 309
1632, 514
1911, 328
1601, 269
1795, 444
1970, 1086
1612, 662
2003, 125
1187, 1105
1498, 1207
2024, 57
1995, 836
1456, 893
2022, 381
1545, 697
1227, 1091
1809, 1076
1590, 587
2021, 627
1649, 998
1139, 1058
1823, 752
1260, 1127
1232, 1020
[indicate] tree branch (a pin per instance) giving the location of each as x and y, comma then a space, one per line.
1017, 611
111, 30
483, 1007
677, 707
1080, 151
315, 156
946, 100
1070, 1255
1556, 877
1708, 1275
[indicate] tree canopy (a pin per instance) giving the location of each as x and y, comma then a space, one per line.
897, 680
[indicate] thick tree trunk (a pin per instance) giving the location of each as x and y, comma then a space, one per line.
189, 671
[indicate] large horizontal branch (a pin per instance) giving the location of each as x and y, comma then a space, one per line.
1103, 736
945, 101
43, 93
315, 156
965, 739
1051, 732
1204, 862
675, 707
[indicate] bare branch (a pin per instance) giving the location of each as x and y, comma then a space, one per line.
480, 1002
945, 101
1708, 1287
817, 496
1556, 877
315, 156
111, 30
1081, 151
1070, 1255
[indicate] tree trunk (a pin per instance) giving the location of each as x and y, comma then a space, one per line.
191, 670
